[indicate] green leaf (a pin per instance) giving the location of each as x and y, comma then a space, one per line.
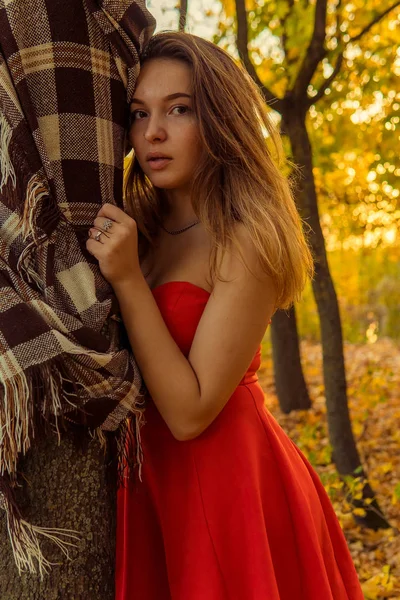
397, 491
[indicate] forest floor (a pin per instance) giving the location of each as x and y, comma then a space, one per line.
373, 377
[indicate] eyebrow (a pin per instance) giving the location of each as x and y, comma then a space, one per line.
170, 97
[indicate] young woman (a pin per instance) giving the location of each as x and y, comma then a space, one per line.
227, 506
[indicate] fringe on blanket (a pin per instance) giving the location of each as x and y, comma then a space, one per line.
17, 431
6, 166
37, 200
21, 397
24, 537
17, 406
41, 390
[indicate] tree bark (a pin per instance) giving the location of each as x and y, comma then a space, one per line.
290, 385
66, 487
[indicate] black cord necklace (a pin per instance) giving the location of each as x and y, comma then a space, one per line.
177, 231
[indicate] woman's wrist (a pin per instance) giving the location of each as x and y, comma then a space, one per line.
132, 283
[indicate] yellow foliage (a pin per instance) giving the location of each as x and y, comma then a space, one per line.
381, 585
387, 467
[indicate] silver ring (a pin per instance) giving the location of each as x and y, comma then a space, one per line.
97, 236
107, 224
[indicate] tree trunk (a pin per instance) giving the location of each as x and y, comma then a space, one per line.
66, 486
290, 385
345, 453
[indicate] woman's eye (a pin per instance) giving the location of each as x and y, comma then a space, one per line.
180, 110
138, 114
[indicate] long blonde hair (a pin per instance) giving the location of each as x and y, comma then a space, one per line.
238, 180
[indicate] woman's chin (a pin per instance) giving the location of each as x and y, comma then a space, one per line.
165, 183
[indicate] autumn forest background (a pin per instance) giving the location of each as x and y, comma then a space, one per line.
329, 73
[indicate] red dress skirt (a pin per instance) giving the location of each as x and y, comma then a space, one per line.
237, 513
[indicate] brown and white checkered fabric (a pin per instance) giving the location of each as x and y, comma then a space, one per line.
67, 74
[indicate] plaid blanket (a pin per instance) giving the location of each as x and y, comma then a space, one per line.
67, 74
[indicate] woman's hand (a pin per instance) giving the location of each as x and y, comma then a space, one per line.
113, 240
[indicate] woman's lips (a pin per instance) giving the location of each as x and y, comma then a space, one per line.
158, 163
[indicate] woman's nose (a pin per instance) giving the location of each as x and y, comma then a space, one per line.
155, 132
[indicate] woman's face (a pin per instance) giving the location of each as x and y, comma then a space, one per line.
164, 131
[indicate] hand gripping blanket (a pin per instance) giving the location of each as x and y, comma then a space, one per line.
67, 75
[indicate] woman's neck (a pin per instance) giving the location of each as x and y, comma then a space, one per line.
180, 210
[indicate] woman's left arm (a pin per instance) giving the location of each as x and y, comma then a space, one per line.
189, 392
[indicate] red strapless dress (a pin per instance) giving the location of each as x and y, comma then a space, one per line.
237, 513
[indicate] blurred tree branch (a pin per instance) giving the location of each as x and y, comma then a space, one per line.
374, 22
183, 9
242, 45
328, 81
284, 37
315, 51
339, 60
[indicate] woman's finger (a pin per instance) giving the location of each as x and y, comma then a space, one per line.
106, 225
94, 248
97, 235
109, 211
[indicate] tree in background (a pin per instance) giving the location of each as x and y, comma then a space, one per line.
305, 46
